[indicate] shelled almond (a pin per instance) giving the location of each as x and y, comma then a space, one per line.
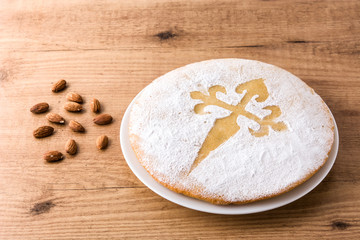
102, 142
72, 107
55, 118
103, 119
71, 147
76, 126
53, 156
40, 108
59, 86
43, 131
95, 106
74, 97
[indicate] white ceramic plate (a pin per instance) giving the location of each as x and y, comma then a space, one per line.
203, 206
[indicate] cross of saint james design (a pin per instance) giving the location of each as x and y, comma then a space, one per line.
226, 127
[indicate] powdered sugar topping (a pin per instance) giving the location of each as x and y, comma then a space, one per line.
168, 133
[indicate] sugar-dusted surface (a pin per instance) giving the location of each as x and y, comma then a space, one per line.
168, 134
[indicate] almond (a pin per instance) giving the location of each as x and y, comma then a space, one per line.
95, 105
43, 131
53, 156
40, 108
103, 119
71, 147
74, 97
72, 107
59, 85
76, 127
55, 118
102, 142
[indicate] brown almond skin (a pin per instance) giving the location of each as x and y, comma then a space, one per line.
102, 142
59, 86
53, 156
74, 97
72, 107
55, 118
40, 108
103, 119
43, 131
76, 127
71, 147
95, 105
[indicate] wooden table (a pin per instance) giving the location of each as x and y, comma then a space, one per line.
111, 50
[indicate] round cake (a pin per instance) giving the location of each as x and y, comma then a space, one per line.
230, 131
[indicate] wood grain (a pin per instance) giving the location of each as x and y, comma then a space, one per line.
110, 50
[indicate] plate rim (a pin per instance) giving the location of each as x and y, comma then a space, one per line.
202, 206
